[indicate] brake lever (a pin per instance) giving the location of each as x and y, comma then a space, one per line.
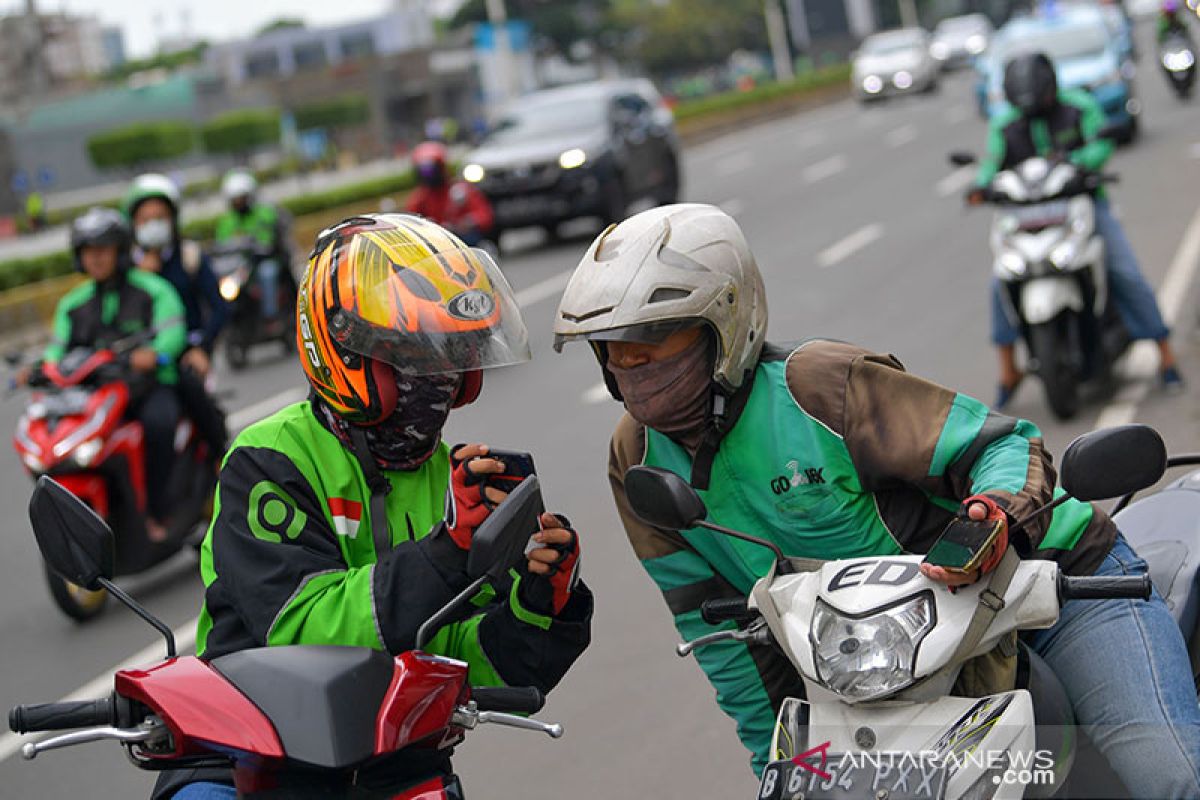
142, 733
469, 716
755, 633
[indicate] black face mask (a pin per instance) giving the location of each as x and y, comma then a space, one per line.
672, 396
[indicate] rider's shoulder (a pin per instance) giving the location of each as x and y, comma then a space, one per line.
628, 446
292, 432
149, 282
1079, 98
78, 294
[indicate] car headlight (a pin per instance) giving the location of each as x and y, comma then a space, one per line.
976, 44
868, 657
33, 463
1012, 263
872, 84
902, 79
86, 453
939, 50
1064, 254
572, 158
230, 287
473, 173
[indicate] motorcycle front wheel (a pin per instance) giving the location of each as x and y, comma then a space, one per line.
1051, 346
76, 602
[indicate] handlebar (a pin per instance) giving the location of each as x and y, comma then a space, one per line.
723, 609
1104, 587
511, 699
1084, 183
62, 716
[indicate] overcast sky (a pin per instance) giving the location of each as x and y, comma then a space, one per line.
146, 21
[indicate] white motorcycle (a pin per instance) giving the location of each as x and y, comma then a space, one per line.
880, 647
1049, 259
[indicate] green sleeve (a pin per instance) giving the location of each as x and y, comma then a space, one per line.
62, 330
1097, 150
170, 319
461, 641
993, 160
226, 227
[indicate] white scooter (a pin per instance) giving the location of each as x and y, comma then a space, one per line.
1049, 259
879, 648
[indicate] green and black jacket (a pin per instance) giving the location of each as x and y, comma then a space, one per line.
290, 559
91, 315
837, 453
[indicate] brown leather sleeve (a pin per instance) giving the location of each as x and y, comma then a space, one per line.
627, 449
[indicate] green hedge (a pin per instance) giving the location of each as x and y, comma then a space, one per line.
140, 143
341, 112
242, 131
729, 101
20, 271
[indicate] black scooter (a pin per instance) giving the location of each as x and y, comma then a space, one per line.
241, 265
1178, 60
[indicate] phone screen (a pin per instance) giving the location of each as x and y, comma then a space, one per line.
963, 544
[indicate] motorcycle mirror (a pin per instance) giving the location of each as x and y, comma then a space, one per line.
1113, 461
663, 499
962, 158
500, 541
74, 540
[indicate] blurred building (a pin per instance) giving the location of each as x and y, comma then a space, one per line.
42, 53
114, 45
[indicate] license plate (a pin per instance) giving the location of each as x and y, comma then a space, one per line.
524, 207
1042, 215
894, 776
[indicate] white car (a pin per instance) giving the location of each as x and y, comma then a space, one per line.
957, 40
894, 62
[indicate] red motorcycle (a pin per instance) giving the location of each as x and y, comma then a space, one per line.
75, 429
295, 721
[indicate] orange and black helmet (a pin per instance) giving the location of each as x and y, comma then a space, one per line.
386, 291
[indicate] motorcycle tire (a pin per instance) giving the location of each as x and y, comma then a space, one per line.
1060, 378
76, 602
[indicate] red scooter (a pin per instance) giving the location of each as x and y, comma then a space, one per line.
295, 721
75, 429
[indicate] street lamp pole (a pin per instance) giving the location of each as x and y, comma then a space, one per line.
498, 17
777, 35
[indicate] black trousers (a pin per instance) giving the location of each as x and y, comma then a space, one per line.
203, 410
158, 411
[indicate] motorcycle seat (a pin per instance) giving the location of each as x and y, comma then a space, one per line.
1164, 529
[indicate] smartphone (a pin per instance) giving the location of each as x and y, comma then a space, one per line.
518, 466
964, 544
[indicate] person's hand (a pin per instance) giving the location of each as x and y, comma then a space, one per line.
197, 361
553, 566
977, 509
144, 359
472, 499
974, 196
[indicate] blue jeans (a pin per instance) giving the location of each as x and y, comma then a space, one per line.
1132, 295
267, 275
206, 791
1126, 671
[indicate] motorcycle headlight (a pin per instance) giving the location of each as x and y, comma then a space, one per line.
1178, 61
230, 287
86, 453
1064, 254
862, 658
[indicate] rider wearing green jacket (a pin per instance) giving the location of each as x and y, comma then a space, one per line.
264, 225
832, 451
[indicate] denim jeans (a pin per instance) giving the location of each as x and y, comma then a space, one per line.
267, 275
1132, 295
1126, 671
206, 791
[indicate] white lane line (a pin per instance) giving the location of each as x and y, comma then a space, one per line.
850, 245
824, 169
733, 206
900, 136
1194, 150
185, 635
185, 641
1140, 366
957, 114
734, 164
596, 394
956, 181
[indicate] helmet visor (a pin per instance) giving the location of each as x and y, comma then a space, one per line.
646, 333
452, 312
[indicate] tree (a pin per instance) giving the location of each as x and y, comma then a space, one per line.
140, 143
679, 35
339, 112
283, 23
241, 132
167, 61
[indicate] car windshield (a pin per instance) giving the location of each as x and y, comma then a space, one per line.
891, 43
1060, 44
959, 26
549, 117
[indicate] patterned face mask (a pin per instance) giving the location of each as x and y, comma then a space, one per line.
673, 395
407, 438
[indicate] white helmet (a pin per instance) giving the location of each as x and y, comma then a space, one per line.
238, 183
663, 269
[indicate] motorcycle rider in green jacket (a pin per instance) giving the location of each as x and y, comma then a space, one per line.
832, 451
345, 519
263, 224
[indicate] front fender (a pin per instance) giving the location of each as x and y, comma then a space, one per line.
1043, 299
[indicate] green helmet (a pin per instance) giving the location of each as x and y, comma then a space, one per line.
144, 187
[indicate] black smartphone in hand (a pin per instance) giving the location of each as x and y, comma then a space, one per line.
964, 544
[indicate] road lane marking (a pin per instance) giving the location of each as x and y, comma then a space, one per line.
733, 164
597, 394
824, 169
253, 413
1194, 150
956, 181
957, 114
900, 136
733, 206
102, 684
544, 289
1139, 368
840, 251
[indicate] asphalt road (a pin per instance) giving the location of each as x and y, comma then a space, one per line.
861, 236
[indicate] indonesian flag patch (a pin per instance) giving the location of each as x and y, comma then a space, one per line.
346, 516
